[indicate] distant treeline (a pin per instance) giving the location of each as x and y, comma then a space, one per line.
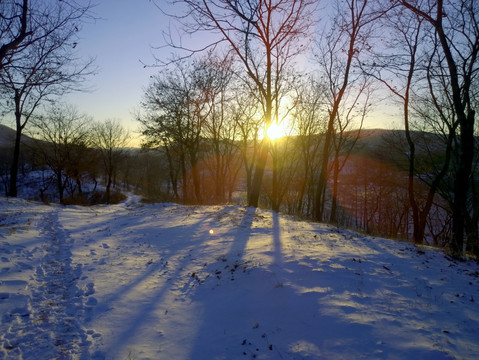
369, 194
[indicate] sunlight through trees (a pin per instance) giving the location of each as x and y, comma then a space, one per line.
270, 109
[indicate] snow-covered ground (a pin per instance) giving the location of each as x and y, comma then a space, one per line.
166, 281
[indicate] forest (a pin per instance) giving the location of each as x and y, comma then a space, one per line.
269, 113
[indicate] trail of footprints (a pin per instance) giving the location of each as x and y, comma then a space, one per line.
50, 305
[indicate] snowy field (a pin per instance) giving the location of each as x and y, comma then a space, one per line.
165, 281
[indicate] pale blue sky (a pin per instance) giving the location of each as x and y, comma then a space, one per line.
120, 40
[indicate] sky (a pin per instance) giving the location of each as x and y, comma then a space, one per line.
123, 40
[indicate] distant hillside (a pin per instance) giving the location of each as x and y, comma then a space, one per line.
391, 146
7, 137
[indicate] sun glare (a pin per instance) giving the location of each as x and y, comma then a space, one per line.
274, 131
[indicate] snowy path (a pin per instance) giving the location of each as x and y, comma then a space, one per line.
48, 321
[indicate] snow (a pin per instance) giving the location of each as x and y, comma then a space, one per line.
166, 281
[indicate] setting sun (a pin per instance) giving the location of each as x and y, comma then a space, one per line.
274, 131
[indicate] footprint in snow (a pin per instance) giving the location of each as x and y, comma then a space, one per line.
91, 301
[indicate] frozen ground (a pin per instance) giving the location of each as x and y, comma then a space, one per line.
165, 281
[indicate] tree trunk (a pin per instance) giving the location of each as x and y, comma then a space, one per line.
220, 177
302, 189
173, 177
16, 150
195, 172
60, 186
462, 182
334, 204
253, 197
108, 189
248, 172
323, 175
80, 190
275, 196
15, 163
184, 183
472, 223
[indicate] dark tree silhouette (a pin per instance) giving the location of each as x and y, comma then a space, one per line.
44, 66
456, 26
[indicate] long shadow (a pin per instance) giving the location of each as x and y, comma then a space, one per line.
345, 303
152, 301
224, 319
340, 291
277, 247
242, 234
366, 285
145, 312
149, 271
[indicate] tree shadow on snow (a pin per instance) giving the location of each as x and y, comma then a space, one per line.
353, 300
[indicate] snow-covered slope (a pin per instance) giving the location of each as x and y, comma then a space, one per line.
165, 281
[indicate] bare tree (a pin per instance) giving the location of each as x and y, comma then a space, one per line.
345, 137
44, 67
472, 222
310, 123
111, 139
65, 145
245, 114
220, 131
13, 28
179, 103
285, 164
401, 65
455, 25
338, 52
265, 36
164, 123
